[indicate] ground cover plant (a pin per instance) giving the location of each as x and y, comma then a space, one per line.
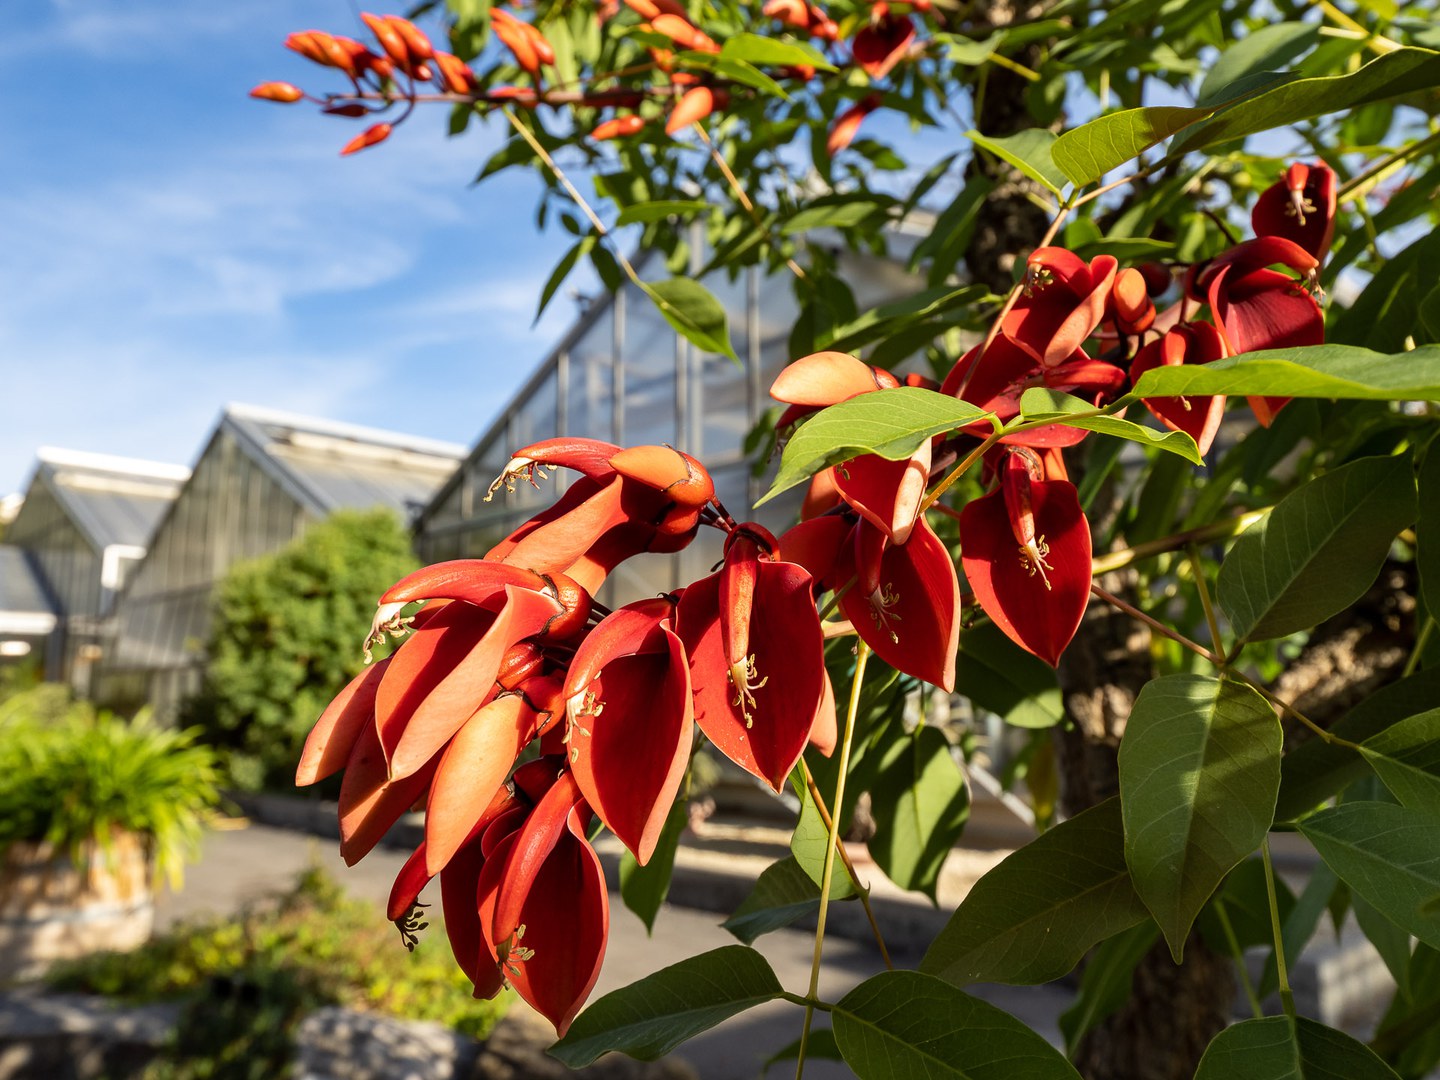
248, 982
1192, 236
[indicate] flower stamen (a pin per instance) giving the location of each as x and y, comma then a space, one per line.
386, 623
410, 924
881, 602
518, 468
743, 677
1032, 557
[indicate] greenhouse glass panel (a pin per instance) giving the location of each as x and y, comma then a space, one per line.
650, 366
590, 396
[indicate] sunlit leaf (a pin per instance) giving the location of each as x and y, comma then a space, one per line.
1318, 371
1029, 151
1088, 152
694, 312
1199, 772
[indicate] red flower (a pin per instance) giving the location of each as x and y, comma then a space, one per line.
1025, 549
1259, 308
1190, 343
842, 132
1062, 302
628, 721
996, 381
757, 655
881, 44
647, 498
543, 907
888, 493
1300, 208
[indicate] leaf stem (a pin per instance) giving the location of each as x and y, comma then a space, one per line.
735, 186
1239, 955
1377, 43
599, 226
1287, 997
1358, 186
862, 656
959, 470
1421, 640
1204, 534
1155, 624
1198, 569
861, 889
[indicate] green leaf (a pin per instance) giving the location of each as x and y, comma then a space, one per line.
771, 52
1199, 773
650, 1018
839, 214
892, 423
647, 212
644, 888
562, 271
888, 318
1279, 1048
1403, 71
920, 803
1052, 406
1427, 530
821, 1044
694, 312
1428, 311
903, 1024
1031, 918
1392, 943
1088, 152
1246, 903
1106, 983
1264, 51
739, 71
811, 840
1387, 314
1029, 151
1406, 757
999, 676
1316, 371
783, 894
1318, 551
1315, 770
1388, 854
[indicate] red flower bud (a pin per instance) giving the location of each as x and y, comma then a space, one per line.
388, 37
698, 103
1131, 300
377, 133
455, 74
283, 92
618, 127
417, 45
842, 133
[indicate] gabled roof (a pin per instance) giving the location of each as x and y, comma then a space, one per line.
25, 607
328, 466
112, 500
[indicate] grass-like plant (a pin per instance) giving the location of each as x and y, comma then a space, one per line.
78, 779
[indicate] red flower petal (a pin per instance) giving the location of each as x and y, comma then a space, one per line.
1192, 343
630, 732
551, 947
1300, 208
370, 802
328, 746
762, 725
1039, 619
886, 493
880, 45
912, 618
472, 773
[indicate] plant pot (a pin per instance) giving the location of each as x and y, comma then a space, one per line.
53, 909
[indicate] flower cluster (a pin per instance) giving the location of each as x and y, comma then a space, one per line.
510, 652
508, 658
403, 59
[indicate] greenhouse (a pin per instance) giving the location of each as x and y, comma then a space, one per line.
80, 533
262, 478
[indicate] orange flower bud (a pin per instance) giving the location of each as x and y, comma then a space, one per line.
794, 13
644, 8
455, 74
1133, 310
389, 38
680, 31
307, 44
278, 91
618, 127
416, 43
378, 133
698, 103
511, 32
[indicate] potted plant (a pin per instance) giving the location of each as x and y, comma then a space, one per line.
94, 809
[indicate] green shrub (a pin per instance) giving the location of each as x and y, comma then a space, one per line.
249, 981
286, 637
72, 776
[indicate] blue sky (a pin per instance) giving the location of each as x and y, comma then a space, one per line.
170, 245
